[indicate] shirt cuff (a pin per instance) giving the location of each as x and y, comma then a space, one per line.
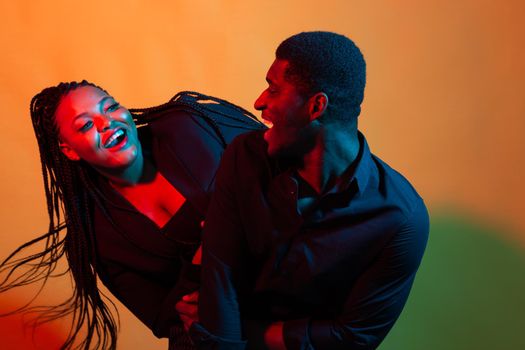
296, 334
204, 340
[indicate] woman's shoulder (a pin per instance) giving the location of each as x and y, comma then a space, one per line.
249, 145
247, 155
174, 122
184, 123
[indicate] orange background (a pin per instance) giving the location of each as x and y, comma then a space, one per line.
444, 102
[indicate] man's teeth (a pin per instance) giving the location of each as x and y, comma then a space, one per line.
112, 141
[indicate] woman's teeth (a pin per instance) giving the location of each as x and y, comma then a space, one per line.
114, 139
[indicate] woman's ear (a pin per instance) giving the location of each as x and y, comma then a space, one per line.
318, 105
68, 151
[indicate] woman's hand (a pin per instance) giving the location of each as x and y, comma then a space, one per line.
187, 308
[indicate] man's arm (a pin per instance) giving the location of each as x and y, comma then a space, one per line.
264, 335
376, 299
148, 300
371, 307
224, 255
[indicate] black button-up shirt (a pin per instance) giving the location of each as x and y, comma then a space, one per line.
337, 268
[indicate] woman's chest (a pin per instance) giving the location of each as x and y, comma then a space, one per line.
158, 200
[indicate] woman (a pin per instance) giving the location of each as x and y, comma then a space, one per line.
132, 200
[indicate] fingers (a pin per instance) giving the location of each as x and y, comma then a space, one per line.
192, 297
187, 309
197, 257
187, 322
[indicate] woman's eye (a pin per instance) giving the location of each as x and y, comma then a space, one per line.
113, 107
86, 126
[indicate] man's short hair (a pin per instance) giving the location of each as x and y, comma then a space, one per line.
330, 63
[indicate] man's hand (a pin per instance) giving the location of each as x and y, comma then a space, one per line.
264, 335
273, 336
187, 309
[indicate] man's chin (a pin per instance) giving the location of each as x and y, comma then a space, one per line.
283, 146
271, 148
267, 134
278, 150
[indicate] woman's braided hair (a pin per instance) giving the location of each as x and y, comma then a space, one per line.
71, 192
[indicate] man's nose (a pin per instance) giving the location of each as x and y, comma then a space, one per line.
260, 102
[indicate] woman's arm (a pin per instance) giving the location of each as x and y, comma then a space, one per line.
148, 300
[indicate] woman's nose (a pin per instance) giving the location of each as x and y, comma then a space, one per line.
103, 122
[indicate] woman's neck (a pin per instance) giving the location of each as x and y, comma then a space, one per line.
141, 170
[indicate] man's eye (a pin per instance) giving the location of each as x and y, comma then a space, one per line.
86, 126
113, 107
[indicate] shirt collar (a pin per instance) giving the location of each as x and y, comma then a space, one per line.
363, 165
361, 169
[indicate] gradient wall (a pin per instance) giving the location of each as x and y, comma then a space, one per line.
444, 105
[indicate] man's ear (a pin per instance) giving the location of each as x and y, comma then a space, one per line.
318, 105
68, 151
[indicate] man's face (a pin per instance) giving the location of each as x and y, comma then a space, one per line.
286, 109
94, 127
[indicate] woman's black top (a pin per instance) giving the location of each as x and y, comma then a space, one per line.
139, 262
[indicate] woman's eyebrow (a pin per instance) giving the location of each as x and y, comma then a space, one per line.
100, 103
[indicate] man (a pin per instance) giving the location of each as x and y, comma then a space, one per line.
311, 241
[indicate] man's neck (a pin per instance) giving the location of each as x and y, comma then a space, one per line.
335, 149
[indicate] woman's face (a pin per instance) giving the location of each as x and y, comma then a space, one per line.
94, 127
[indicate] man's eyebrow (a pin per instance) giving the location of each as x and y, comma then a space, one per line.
269, 80
100, 103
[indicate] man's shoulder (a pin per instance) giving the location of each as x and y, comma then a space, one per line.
398, 188
409, 218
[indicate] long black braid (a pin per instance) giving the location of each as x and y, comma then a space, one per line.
71, 193
69, 196
202, 106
